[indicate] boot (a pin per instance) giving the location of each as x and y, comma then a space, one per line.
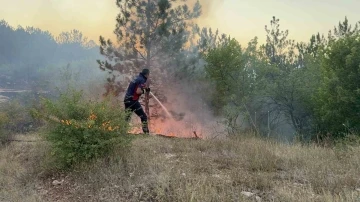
145, 129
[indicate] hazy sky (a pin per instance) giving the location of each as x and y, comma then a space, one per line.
242, 19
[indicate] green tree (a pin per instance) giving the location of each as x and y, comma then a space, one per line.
284, 79
278, 48
208, 39
344, 29
232, 79
338, 98
223, 63
313, 48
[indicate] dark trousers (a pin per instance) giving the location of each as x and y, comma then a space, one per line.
135, 106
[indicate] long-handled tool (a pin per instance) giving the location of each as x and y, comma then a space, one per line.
172, 115
164, 108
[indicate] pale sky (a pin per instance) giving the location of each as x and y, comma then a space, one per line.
242, 19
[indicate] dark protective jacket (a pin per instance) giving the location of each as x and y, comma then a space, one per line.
138, 82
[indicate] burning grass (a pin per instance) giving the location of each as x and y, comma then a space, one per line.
177, 129
173, 169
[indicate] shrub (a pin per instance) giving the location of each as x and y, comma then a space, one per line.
3, 121
19, 119
14, 118
81, 130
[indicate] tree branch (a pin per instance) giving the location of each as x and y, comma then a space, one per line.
134, 48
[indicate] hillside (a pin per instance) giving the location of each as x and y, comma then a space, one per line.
163, 169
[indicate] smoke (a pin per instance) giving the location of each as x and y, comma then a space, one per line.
183, 94
196, 117
190, 113
38, 62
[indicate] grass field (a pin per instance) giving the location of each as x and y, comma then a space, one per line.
162, 169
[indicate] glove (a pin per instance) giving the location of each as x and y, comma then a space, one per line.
147, 90
143, 88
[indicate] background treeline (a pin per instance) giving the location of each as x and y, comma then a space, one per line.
312, 86
30, 58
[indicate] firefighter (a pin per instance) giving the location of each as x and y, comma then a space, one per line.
136, 88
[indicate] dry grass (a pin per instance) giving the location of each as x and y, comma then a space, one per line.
19, 163
161, 169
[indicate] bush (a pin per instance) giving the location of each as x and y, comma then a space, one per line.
82, 130
19, 119
337, 99
3, 122
14, 118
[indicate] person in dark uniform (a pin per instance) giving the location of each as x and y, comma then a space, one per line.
136, 88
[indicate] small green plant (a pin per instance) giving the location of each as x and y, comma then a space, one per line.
81, 130
19, 119
14, 119
3, 121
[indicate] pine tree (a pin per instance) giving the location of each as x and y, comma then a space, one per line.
282, 80
278, 48
149, 32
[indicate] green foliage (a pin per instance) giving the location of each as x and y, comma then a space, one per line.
15, 118
225, 69
278, 48
4, 120
208, 39
18, 116
230, 70
339, 95
344, 29
309, 86
82, 130
286, 80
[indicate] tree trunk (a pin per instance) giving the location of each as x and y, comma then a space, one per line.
292, 117
147, 110
148, 58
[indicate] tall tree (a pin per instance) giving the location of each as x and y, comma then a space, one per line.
147, 32
229, 71
278, 48
312, 48
343, 29
282, 79
208, 39
72, 37
338, 98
